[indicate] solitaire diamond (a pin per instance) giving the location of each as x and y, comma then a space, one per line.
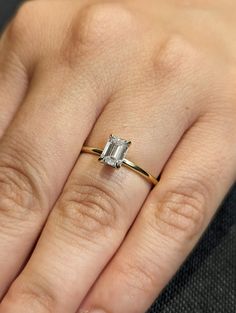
114, 151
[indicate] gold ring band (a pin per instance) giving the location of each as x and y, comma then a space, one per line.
125, 162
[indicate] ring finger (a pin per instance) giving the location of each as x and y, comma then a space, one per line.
98, 204
173, 218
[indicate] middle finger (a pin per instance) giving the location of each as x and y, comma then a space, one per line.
36, 159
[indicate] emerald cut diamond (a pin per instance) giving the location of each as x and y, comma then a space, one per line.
114, 151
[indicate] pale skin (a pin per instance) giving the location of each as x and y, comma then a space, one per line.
161, 73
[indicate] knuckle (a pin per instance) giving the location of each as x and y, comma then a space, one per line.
20, 184
88, 209
180, 213
100, 22
17, 196
175, 57
35, 294
95, 27
137, 277
19, 26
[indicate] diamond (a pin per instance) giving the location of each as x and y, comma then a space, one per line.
114, 151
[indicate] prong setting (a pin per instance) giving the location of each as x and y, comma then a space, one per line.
114, 151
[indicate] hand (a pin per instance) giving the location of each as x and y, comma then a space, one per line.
159, 73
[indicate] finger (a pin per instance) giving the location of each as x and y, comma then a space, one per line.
96, 208
13, 83
37, 154
177, 211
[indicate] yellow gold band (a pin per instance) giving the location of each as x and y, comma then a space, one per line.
127, 163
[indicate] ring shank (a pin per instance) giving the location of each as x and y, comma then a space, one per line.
129, 164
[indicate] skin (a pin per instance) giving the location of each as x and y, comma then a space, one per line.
76, 235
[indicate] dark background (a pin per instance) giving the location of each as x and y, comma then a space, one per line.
206, 283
